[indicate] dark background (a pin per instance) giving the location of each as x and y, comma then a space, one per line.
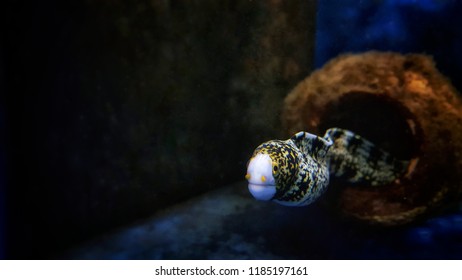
113, 110
116, 109
428, 26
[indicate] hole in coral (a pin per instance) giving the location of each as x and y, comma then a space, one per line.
379, 118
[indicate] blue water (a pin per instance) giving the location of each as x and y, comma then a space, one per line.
430, 26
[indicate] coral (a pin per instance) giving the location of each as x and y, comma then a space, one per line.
400, 102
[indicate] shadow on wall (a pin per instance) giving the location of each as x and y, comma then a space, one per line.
117, 109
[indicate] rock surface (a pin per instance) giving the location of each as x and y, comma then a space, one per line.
229, 224
118, 109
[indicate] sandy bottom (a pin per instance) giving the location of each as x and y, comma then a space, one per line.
230, 224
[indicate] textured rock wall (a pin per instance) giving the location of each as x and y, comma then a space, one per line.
117, 109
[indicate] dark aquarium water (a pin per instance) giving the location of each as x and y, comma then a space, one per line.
127, 126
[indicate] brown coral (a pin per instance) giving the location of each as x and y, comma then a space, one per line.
400, 102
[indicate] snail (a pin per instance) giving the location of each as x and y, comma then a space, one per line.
296, 172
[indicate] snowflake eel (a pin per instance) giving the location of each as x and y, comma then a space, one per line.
296, 172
